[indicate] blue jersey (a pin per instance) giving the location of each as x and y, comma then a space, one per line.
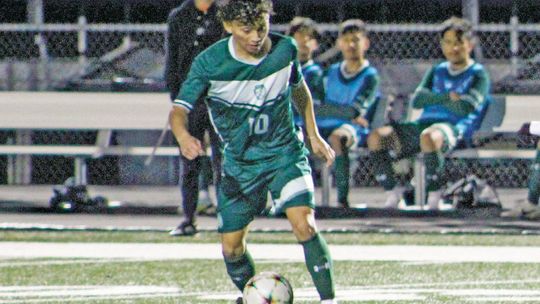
472, 84
348, 96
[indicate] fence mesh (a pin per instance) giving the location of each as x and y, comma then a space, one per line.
92, 57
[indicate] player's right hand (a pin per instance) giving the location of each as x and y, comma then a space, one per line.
321, 149
191, 147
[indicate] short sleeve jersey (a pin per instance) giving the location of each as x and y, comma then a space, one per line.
249, 104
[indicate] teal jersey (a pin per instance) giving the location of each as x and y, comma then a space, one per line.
249, 103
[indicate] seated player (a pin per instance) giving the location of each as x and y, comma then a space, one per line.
305, 33
351, 94
530, 209
453, 96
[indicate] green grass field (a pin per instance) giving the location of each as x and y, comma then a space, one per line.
205, 281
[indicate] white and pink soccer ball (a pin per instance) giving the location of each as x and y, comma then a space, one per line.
268, 288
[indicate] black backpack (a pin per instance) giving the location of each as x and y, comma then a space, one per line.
473, 195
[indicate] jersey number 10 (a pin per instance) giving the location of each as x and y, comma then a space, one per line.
259, 125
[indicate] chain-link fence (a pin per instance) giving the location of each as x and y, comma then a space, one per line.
123, 57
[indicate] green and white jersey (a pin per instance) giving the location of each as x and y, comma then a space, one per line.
249, 103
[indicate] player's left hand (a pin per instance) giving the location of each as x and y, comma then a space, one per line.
321, 149
361, 121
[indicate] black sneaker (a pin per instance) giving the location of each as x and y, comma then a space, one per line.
239, 300
184, 229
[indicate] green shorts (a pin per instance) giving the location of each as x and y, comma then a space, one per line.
409, 136
244, 188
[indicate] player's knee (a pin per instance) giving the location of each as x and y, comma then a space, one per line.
430, 141
334, 140
374, 140
303, 230
231, 251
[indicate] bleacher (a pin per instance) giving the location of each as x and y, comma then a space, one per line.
101, 112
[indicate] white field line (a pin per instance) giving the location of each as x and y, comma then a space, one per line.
411, 292
11, 263
288, 252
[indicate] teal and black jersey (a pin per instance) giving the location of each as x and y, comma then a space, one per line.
249, 103
472, 84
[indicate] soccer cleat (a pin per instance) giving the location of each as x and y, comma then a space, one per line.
393, 197
433, 200
523, 209
239, 300
184, 229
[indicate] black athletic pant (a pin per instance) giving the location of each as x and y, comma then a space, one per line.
199, 122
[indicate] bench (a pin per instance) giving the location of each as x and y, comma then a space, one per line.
504, 117
101, 112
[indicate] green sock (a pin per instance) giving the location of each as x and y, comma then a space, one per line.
434, 164
534, 181
341, 167
240, 269
319, 264
384, 172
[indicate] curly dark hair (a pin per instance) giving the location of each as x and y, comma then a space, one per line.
244, 11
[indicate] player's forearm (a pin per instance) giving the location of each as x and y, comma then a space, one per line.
304, 104
178, 120
423, 98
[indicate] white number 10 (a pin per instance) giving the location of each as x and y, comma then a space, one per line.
259, 126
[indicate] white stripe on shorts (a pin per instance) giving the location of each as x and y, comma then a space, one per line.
293, 188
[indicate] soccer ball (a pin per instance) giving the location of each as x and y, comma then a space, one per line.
268, 288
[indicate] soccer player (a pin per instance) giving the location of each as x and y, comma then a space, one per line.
192, 27
305, 33
453, 96
250, 79
350, 100
530, 209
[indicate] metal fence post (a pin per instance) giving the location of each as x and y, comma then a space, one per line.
514, 44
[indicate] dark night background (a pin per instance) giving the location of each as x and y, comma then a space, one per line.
373, 11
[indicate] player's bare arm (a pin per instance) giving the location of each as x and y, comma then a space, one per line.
304, 104
190, 146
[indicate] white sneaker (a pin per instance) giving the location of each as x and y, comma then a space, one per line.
393, 197
433, 200
524, 209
